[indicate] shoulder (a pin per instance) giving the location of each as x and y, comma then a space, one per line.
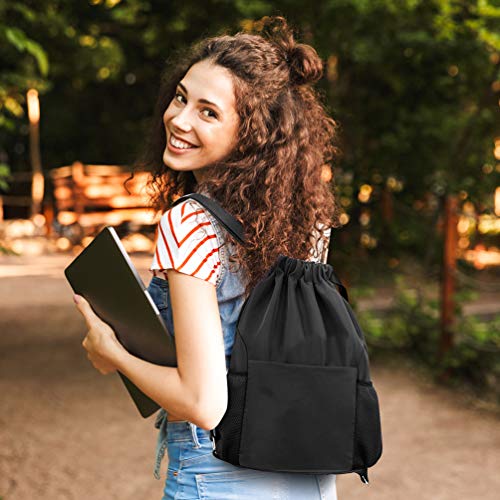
320, 241
185, 219
187, 242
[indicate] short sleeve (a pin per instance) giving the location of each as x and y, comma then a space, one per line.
186, 241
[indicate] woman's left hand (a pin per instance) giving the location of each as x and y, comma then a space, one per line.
103, 348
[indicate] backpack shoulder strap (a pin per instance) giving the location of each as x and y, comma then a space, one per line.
343, 289
234, 227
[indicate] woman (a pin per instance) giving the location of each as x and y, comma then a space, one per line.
236, 120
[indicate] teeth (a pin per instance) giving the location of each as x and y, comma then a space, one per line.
179, 144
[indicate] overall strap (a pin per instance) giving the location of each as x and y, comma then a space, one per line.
234, 227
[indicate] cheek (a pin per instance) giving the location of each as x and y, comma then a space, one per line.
222, 138
168, 115
231, 135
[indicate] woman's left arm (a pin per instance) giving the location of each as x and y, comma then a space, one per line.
196, 389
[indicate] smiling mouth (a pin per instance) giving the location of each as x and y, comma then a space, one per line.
179, 143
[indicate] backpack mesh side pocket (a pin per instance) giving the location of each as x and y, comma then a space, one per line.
367, 435
228, 432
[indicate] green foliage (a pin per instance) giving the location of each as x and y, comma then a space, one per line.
475, 353
412, 326
25, 65
22, 43
253, 9
411, 323
4, 175
414, 94
411, 85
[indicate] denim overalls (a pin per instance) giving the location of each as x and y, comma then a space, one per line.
193, 471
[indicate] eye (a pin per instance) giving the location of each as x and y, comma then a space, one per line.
178, 94
214, 114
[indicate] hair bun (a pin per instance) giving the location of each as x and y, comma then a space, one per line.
304, 62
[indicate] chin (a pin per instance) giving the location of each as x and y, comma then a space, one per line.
167, 161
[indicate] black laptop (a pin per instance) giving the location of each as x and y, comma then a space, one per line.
104, 274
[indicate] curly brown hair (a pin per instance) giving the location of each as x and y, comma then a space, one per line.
272, 181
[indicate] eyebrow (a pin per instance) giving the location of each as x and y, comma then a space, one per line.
204, 101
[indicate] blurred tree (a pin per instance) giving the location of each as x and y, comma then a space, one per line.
24, 66
414, 83
106, 58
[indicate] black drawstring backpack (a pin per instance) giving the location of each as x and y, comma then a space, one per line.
300, 398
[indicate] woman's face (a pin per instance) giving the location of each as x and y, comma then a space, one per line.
201, 119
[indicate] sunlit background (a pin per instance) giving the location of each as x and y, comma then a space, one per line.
415, 88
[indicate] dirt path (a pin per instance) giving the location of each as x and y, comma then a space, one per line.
67, 432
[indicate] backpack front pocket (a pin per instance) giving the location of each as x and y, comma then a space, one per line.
298, 417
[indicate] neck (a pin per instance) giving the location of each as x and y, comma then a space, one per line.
199, 175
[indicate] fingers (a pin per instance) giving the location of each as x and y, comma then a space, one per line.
84, 307
89, 344
101, 366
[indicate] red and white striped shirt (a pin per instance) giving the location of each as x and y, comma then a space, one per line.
187, 242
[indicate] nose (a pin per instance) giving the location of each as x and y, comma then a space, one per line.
182, 120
